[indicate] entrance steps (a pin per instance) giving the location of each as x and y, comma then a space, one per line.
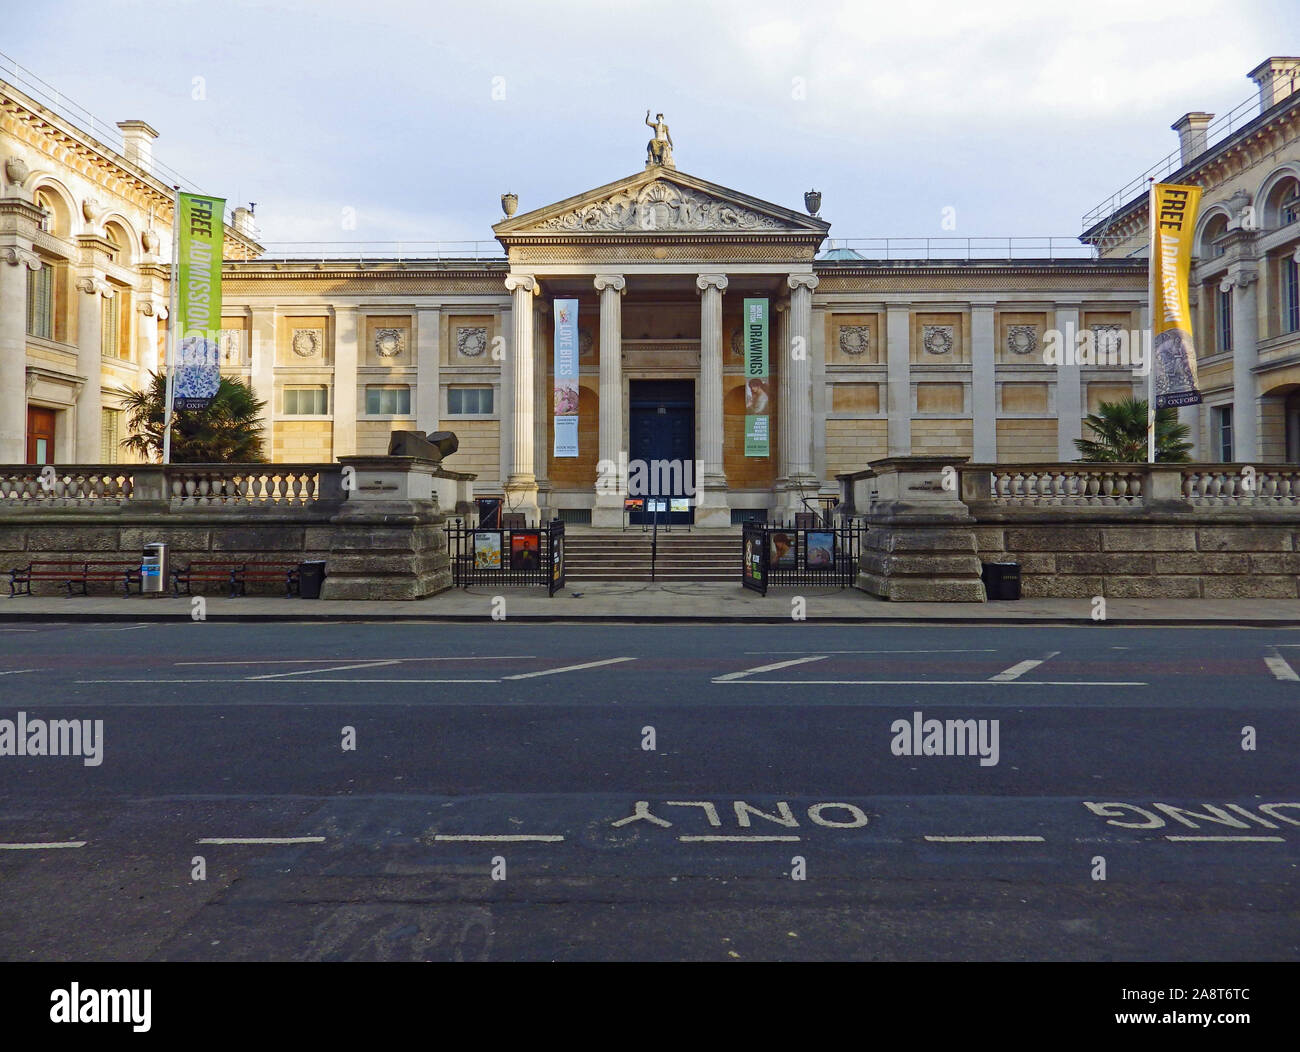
701, 555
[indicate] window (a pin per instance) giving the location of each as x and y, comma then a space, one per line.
1223, 334
1222, 423
40, 302
110, 336
307, 401
469, 401
388, 401
1290, 296
43, 203
1291, 206
111, 436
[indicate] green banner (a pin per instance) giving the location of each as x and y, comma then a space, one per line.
758, 395
200, 235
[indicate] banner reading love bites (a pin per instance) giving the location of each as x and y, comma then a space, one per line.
197, 257
1173, 352
566, 378
757, 393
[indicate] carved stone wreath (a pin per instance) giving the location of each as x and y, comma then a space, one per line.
1105, 337
306, 343
937, 339
1022, 339
389, 343
585, 343
855, 340
471, 340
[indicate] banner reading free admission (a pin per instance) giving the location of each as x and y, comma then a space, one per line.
757, 395
1174, 365
200, 235
566, 378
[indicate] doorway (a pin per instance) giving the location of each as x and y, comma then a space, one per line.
40, 435
661, 450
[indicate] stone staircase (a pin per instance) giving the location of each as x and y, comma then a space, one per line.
701, 555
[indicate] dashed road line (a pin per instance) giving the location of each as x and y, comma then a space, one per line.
569, 668
276, 840
731, 677
985, 839
1227, 839
333, 668
1279, 666
739, 838
974, 650
939, 682
1020, 668
18, 671
42, 845
500, 838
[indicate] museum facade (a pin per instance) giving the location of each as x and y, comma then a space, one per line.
866, 357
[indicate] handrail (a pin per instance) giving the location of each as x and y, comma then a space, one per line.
968, 249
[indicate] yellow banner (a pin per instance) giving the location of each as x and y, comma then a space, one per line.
1173, 222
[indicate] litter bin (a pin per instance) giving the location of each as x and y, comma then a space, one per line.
1001, 580
311, 575
153, 568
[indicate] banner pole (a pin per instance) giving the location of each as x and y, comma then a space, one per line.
173, 302
1151, 322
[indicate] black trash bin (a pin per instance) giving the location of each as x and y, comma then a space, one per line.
1001, 580
310, 577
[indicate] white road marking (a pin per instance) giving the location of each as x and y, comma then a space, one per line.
317, 661
976, 650
1279, 666
1019, 669
262, 840
272, 682
935, 683
42, 846
985, 839
1227, 839
569, 668
503, 838
732, 676
333, 668
128, 628
17, 671
773, 839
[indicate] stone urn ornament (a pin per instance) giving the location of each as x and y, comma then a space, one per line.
509, 202
16, 170
150, 241
812, 201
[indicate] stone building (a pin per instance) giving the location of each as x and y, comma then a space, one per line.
870, 354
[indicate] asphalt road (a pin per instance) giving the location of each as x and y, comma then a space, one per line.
502, 800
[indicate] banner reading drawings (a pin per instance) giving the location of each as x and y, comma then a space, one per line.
1174, 367
198, 301
757, 394
566, 378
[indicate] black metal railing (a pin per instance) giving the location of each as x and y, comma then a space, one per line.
800, 556
513, 556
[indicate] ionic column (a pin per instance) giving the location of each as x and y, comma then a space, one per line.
346, 341
90, 317
798, 354
521, 485
13, 352
610, 484
1245, 356
541, 413
711, 507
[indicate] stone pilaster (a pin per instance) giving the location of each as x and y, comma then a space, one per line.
521, 485
984, 403
798, 354
1069, 390
1242, 279
152, 312
428, 363
261, 349
610, 485
18, 262
784, 406
346, 341
90, 318
898, 356
711, 506
541, 412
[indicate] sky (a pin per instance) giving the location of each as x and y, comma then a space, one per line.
376, 121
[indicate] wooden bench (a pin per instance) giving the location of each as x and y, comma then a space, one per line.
286, 572
74, 572
202, 571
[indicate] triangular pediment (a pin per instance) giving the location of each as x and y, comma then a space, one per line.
657, 201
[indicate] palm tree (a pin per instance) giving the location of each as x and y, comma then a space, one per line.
1120, 430
229, 431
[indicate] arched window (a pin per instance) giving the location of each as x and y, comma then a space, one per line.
1214, 230
56, 218
114, 236
1282, 207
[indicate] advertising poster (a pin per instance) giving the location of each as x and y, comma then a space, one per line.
197, 255
1173, 369
784, 549
821, 550
757, 390
525, 550
487, 550
566, 378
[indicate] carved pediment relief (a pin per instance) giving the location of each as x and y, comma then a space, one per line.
660, 205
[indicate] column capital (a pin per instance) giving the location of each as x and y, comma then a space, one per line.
152, 309
802, 281
610, 281
703, 282
1296, 254
20, 257
1240, 277
95, 287
527, 282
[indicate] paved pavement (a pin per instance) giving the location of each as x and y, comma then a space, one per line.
371, 790
653, 602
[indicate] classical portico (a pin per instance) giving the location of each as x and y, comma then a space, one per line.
660, 263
